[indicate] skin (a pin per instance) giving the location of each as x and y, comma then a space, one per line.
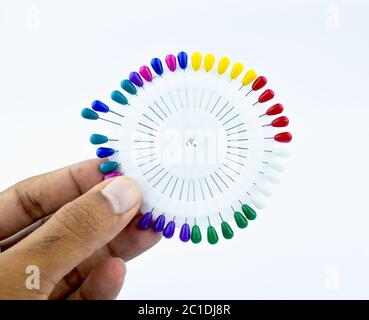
61, 223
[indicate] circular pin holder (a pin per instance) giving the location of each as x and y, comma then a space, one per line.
202, 141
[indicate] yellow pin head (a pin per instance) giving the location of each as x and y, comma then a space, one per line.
223, 65
236, 70
209, 62
196, 59
249, 77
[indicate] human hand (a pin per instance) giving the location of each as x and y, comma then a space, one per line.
73, 229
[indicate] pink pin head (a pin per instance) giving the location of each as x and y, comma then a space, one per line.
266, 96
283, 137
171, 62
145, 73
280, 122
112, 175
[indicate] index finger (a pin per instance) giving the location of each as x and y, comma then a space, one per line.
34, 198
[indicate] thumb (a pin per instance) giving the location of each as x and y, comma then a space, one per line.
77, 230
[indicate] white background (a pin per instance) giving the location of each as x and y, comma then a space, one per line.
312, 240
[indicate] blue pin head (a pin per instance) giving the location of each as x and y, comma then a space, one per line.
104, 152
99, 106
182, 59
157, 66
89, 114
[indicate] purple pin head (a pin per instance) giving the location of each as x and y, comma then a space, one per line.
145, 73
169, 230
145, 221
171, 62
136, 79
185, 233
159, 223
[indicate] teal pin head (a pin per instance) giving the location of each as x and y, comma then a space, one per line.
118, 97
89, 114
128, 87
98, 139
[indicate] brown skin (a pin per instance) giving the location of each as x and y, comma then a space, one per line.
61, 222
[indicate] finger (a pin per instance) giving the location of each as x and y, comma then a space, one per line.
34, 198
132, 241
127, 245
77, 230
103, 283
14, 239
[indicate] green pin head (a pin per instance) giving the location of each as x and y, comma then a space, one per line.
196, 234
227, 230
240, 219
249, 212
212, 235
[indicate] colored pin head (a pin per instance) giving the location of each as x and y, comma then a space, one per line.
280, 122
171, 62
103, 152
157, 66
159, 224
182, 60
283, 137
128, 86
274, 110
136, 79
98, 139
259, 83
223, 65
185, 233
145, 72
99, 106
196, 60
266, 96
169, 230
209, 62
119, 97
109, 166
92, 115
89, 114
236, 70
249, 77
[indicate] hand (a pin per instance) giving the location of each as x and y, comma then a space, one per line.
66, 234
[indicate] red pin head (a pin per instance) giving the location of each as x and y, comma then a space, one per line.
280, 122
266, 96
283, 137
259, 83
275, 109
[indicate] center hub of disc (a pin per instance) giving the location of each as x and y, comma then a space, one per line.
191, 143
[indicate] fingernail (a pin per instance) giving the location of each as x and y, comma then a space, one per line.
122, 193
